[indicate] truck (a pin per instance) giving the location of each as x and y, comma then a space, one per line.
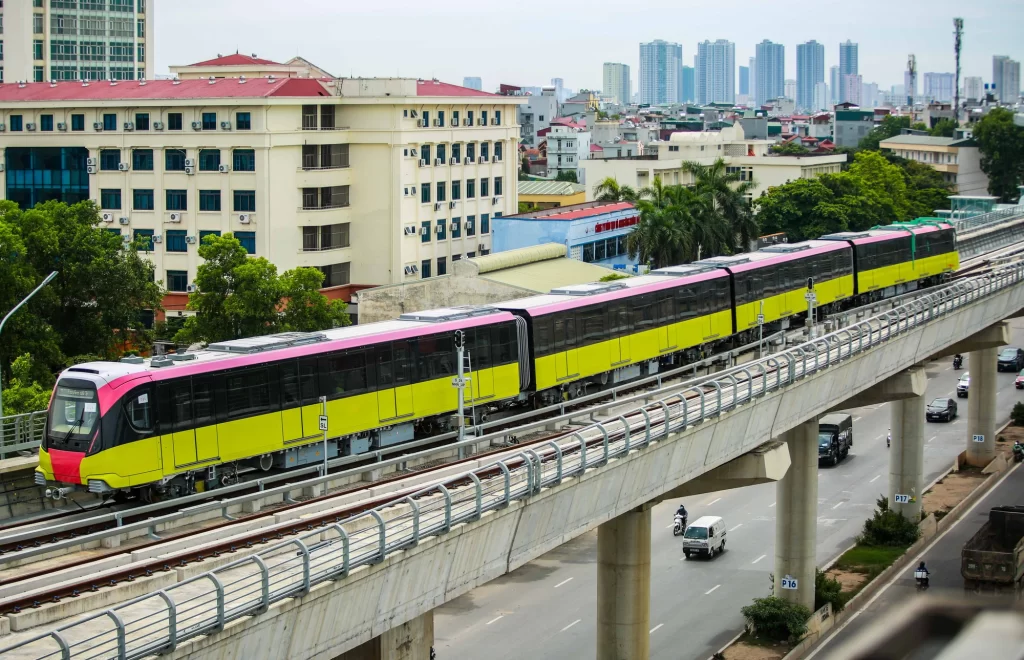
994, 556
835, 437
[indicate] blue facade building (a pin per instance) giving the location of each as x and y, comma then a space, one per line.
39, 174
594, 232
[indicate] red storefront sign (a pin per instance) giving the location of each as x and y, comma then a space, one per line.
615, 224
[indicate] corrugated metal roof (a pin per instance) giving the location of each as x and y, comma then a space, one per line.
923, 140
538, 268
550, 188
519, 257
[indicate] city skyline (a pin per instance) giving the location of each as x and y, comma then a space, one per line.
381, 40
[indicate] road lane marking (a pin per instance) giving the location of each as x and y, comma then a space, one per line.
713, 501
563, 582
669, 526
570, 625
837, 506
875, 479
758, 559
656, 627
736, 527
856, 419
932, 438
771, 505
500, 616
711, 589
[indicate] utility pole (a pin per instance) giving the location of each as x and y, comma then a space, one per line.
911, 82
958, 34
459, 382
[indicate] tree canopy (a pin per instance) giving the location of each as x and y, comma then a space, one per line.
239, 296
1001, 143
567, 175
793, 148
890, 126
93, 305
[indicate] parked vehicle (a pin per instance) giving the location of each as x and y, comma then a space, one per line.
941, 410
835, 437
1011, 358
706, 536
995, 554
958, 361
1018, 382
963, 385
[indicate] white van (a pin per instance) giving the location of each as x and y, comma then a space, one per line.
704, 536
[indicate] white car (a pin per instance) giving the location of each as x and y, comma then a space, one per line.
704, 536
963, 385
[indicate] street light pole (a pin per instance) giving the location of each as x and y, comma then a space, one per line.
9, 314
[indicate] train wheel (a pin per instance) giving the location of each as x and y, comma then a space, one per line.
266, 462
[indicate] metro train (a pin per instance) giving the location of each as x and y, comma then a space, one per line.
176, 424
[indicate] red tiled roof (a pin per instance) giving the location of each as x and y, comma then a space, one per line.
162, 89
596, 147
436, 88
236, 59
611, 207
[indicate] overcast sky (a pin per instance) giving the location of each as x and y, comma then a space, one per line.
528, 42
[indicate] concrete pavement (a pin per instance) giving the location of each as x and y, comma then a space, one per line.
547, 608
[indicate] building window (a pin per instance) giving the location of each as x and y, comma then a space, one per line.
37, 49
332, 197
442, 226
37, 73
497, 151
470, 225
441, 196
425, 154
335, 274
78, 122
244, 160
176, 240
209, 121
326, 117
142, 121
245, 201
497, 186
110, 199
177, 280
485, 224
483, 117
456, 229
174, 160
110, 159
327, 237
243, 121
309, 117
424, 193
174, 121
248, 240
425, 231
209, 200
456, 151
470, 255
46, 122
484, 185
143, 239
441, 154
442, 265
425, 268
456, 190
203, 233
426, 117
470, 188
209, 160
140, 53
15, 122
469, 117
37, 26
142, 199
110, 122
485, 150
177, 200
142, 159
455, 117
470, 150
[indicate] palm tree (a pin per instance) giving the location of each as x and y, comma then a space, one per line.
661, 237
726, 192
609, 190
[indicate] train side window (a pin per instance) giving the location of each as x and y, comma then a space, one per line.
138, 413
666, 310
385, 367
248, 392
307, 381
203, 407
543, 341
403, 362
505, 348
343, 374
480, 348
290, 396
181, 405
592, 326
436, 358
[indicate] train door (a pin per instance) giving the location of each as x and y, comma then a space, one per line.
480, 357
666, 320
618, 347
404, 361
204, 420
385, 383
183, 436
566, 361
292, 428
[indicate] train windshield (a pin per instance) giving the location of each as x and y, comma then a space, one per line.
74, 415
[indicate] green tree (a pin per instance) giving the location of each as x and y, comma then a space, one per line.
890, 126
92, 307
879, 178
776, 619
308, 310
801, 209
609, 190
1001, 143
726, 207
793, 148
661, 237
943, 128
567, 175
23, 394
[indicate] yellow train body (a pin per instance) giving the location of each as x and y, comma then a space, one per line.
907, 271
792, 302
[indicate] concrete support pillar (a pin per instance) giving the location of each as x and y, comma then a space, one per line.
411, 640
797, 516
981, 407
624, 586
906, 455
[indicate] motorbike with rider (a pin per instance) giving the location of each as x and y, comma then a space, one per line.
958, 361
921, 574
679, 524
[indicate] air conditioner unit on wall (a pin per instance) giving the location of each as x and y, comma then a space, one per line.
244, 218
451, 205
158, 126
61, 126
123, 221
174, 217
225, 126
191, 288
223, 169
129, 126
97, 126
437, 206
191, 240
197, 126
190, 170
190, 162
158, 239
108, 217
410, 231
124, 167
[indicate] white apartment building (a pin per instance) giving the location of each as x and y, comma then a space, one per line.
973, 88
567, 149
76, 39
957, 159
747, 156
536, 114
373, 181
617, 85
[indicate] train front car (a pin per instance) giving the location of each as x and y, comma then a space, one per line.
772, 282
81, 423
610, 332
897, 258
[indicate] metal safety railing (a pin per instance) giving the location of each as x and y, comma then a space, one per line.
980, 221
21, 432
203, 605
